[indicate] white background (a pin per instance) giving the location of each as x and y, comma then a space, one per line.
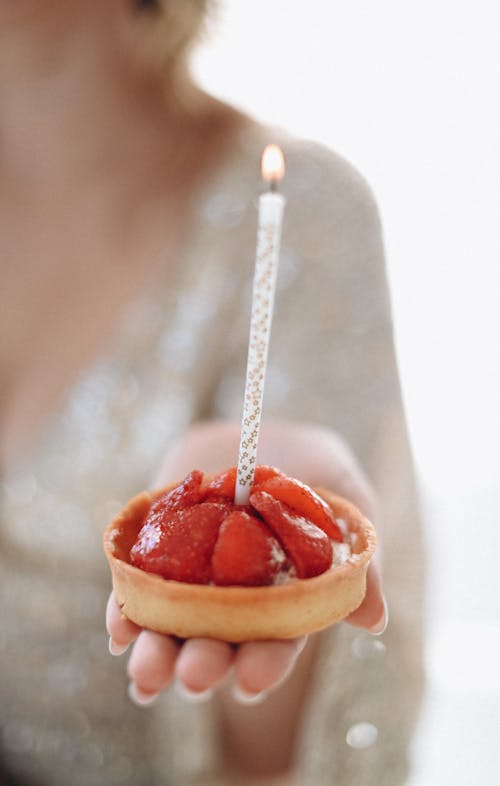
409, 93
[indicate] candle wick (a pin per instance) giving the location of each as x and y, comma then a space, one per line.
273, 186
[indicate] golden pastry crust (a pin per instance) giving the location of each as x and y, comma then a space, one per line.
237, 614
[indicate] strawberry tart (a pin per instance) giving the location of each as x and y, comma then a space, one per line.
187, 561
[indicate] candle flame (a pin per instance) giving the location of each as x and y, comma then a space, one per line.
273, 164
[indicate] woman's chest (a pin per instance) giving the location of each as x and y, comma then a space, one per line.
106, 436
65, 284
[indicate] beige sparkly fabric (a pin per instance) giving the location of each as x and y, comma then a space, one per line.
179, 355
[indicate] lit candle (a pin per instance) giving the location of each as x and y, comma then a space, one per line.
271, 206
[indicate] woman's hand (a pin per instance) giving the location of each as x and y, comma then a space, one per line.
198, 665
316, 456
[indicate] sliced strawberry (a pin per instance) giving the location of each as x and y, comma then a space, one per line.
222, 486
308, 546
246, 553
178, 544
302, 500
184, 495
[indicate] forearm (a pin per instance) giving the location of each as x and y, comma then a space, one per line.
259, 739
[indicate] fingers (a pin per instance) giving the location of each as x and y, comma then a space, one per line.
372, 614
151, 666
198, 665
258, 666
121, 630
203, 663
262, 665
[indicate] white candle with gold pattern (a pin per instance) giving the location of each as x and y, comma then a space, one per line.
271, 207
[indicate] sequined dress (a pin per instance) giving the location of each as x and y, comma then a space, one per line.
178, 355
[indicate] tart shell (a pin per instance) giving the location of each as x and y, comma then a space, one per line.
237, 614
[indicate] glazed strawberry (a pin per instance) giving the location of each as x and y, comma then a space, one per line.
223, 484
246, 553
178, 544
184, 495
303, 500
308, 546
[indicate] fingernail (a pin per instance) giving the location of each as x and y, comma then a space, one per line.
243, 697
115, 648
381, 626
193, 696
139, 697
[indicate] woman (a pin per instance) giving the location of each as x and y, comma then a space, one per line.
128, 229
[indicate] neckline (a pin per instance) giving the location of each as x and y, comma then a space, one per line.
155, 287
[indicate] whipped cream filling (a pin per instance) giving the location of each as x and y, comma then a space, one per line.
342, 552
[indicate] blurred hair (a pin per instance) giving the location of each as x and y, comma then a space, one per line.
167, 29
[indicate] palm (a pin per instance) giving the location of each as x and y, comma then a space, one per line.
317, 457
